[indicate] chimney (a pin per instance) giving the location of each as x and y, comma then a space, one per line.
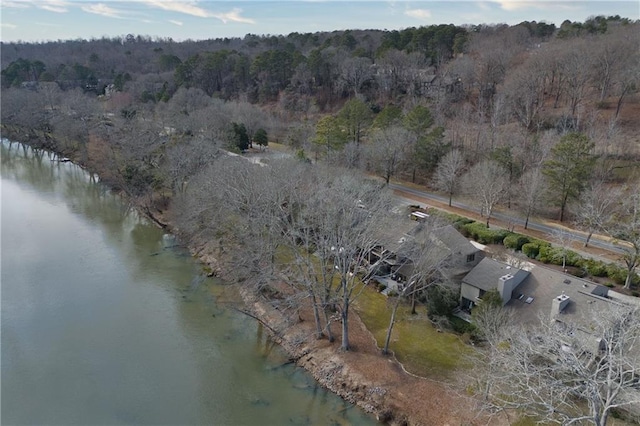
505, 287
558, 304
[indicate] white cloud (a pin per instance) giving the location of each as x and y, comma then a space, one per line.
418, 13
57, 6
186, 7
8, 25
15, 4
512, 5
233, 16
102, 9
174, 22
191, 8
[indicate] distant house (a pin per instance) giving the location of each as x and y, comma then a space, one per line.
29, 85
490, 274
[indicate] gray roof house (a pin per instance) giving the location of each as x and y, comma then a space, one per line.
463, 256
561, 297
490, 274
540, 293
397, 242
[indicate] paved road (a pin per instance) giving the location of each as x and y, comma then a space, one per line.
534, 225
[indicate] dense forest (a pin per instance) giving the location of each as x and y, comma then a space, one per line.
393, 103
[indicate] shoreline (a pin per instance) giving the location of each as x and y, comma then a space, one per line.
388, 391
385, 391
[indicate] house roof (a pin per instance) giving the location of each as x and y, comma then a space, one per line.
406, 238
544, 284
485, 275
391, 234
454, 240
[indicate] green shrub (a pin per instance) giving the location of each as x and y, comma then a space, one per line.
573, 259
531, 250
594, 267
515, 241
619, 275
454, 219
440, 301
554, 255
616, 273
483, 235
576, 272
463, 230
461, 221
549, 254
460, 326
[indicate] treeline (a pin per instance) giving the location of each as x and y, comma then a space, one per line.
379, 64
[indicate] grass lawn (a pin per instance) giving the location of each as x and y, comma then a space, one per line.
416, 343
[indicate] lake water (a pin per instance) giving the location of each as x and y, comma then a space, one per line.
105, 320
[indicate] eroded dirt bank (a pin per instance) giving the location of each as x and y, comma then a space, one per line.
362, 376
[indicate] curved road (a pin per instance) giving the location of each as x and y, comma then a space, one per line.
537, 226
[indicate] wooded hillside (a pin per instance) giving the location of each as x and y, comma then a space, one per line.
399, 104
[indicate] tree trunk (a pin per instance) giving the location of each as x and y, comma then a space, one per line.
345, 325
327, 320
586, 243
450, 196
316, 315
563, 206
392, 321
619, 104
413, 303
526, 221
600, 416
627, 282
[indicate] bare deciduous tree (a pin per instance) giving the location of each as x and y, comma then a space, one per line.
354, 72
530, 192
387, 150
347, 212
568, 372
626, 230
576, 68
524, 88
595, 208
563, 239
447, 175
487, 183
185, 158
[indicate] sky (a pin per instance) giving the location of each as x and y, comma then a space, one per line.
43, 20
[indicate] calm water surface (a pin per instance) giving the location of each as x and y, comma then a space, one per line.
106, 321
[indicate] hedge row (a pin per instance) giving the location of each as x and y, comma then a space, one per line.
482, 234
537, 249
